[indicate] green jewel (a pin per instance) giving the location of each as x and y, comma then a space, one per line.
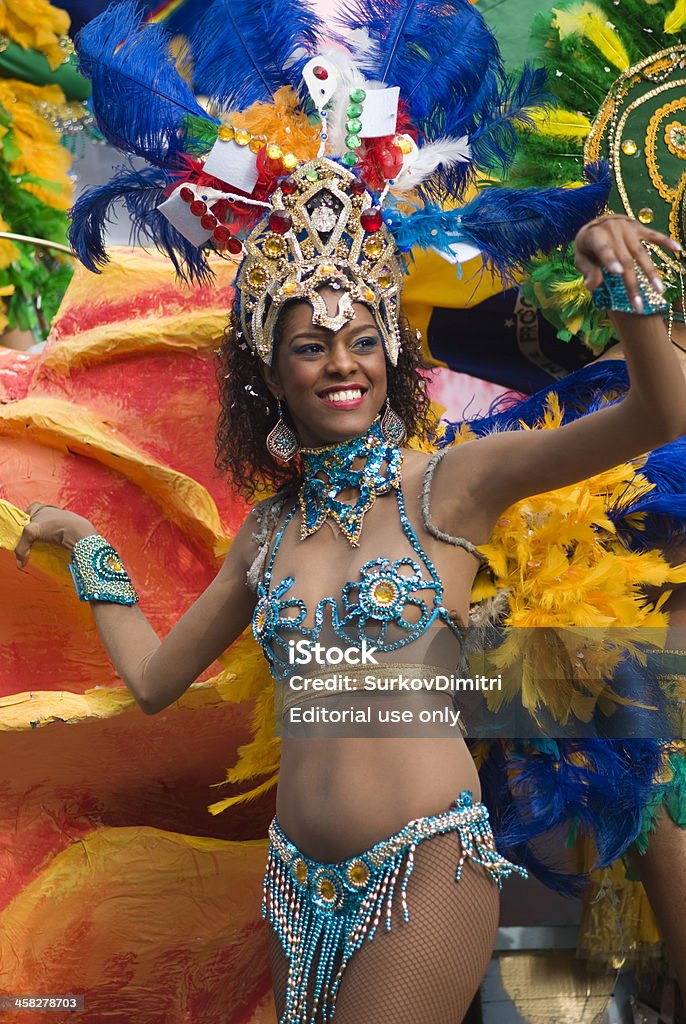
350, 158
353, 141
354, 126
357, 95
354, 110
312, 174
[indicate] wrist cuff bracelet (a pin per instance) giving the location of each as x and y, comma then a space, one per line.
612, 294
98, 573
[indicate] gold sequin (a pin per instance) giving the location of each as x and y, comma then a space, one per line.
358, 873
384, 593
373, 247
299, 868
274, 247
257, 276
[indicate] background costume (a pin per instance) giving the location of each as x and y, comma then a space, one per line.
634, 121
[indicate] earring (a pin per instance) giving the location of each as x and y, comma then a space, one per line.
281, 441
392, 426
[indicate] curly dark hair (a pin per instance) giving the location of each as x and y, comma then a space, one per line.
249, 411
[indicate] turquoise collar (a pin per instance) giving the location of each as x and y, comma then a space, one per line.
328, 472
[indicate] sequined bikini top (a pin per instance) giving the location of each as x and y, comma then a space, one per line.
375, 606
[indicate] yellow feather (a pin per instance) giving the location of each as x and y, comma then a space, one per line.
574, 291
589, 20
676, 18
561, 124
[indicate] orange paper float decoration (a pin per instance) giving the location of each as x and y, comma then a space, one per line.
106, 842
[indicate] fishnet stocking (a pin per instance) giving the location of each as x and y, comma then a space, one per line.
425, 971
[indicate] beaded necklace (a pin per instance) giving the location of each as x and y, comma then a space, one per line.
329, 471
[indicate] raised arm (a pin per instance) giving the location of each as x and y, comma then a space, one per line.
158, 672
500, 469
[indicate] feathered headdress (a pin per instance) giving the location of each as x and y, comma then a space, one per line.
320, 162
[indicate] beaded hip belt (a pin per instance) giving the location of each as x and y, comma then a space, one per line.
323, 912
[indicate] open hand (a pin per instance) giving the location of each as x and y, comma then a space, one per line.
616, 243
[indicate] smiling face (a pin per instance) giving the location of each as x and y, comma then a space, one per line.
333, 383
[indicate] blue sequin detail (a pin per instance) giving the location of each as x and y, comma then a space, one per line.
382, 596
329, 471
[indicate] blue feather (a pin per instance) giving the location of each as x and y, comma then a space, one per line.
495, 142
509, 226
242, 51
140, 100
600, 786
442, 55
141, 191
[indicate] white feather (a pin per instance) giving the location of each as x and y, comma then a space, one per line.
365, 51
421, 163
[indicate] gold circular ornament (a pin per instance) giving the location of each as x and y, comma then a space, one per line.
675, 137
629, 147
646, 215
404, 144
257, 277
274, 247
274, 152
290, 161
385, 278
290, 288
384, 593
242, 137
225, 133
299, 869
327, 889
358, 873
373, 247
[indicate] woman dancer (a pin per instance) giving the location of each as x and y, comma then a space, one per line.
352, 815
381, 845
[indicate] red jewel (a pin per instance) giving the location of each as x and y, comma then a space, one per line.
280, 221
289, 186
371, 219
208, 221
234, 245
187, 194
358, 187
198, 207
221, 235
321, 73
